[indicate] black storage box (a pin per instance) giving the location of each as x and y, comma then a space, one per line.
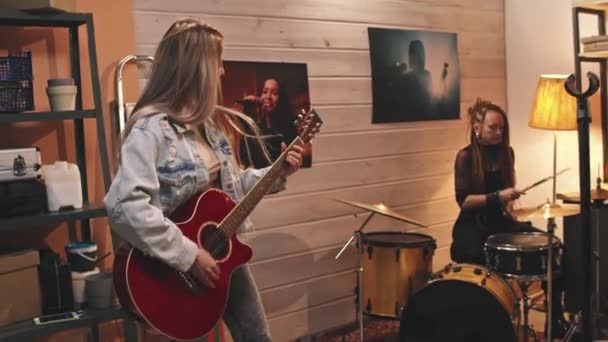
20, 198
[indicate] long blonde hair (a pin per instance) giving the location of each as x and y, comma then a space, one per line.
185, 75
185, 80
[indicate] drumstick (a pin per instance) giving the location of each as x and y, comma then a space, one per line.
544, 180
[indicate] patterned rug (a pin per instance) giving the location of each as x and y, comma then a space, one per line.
375, 330
387, 330
378, 330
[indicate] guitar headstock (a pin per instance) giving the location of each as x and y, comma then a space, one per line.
308, 124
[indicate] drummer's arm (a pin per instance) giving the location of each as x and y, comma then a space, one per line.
508, 212
481, 201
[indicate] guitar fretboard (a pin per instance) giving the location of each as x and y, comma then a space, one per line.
232, 221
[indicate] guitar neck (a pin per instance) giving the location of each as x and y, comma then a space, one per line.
232, 221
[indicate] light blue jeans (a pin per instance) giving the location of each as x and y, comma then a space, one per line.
244, 315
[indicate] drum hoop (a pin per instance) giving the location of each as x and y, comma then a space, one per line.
519, 248
530, 277
431, 242
486, 269
526, 277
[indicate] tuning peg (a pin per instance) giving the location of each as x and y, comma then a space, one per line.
295, 122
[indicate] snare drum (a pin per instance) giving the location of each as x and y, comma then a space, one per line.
522, 254
464, 302
395, 266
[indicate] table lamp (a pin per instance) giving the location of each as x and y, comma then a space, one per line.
554, 109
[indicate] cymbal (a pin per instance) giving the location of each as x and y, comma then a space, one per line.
596, 195
382, 210
546, 211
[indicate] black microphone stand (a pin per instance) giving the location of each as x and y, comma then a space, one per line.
572, 86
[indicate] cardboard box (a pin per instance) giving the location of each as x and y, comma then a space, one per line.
19, 287
40, 5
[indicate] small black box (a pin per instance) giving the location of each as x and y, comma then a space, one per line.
55, 283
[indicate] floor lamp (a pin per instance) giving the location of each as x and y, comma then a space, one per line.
554, 109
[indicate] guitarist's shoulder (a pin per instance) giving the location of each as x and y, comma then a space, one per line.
159, 124
150, 121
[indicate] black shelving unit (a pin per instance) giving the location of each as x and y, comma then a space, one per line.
72, 22
88, 211
47, 116
25, 331
597, 9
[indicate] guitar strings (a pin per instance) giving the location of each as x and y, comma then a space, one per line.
215, 243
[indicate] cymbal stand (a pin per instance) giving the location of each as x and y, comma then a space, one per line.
550, 230
597, 310
574, 327
357, 236
525, 284
572, 85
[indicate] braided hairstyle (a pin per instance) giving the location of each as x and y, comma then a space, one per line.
505, 159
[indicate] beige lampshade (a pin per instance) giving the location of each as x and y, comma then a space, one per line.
554, 108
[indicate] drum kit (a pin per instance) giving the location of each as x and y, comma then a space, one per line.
462, 302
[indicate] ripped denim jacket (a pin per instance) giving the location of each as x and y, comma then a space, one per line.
160, 169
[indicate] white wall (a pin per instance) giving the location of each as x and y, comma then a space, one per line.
539, 40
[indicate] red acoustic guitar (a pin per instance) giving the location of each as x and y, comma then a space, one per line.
173, 302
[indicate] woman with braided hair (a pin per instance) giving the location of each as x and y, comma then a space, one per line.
485, 191
484, 180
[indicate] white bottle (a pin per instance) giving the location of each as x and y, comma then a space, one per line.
62, 180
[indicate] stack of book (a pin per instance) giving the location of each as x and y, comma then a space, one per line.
595, 43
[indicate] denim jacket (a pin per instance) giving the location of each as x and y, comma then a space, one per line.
160, 169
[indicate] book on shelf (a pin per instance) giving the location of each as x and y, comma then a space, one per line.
595, 47
594, 39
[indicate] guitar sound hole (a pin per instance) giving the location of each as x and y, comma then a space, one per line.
215, 242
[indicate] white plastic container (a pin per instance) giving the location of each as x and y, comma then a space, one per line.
79, 285
62, 180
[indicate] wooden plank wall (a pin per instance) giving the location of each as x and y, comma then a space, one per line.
408, 166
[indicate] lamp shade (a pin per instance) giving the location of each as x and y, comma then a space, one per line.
554, 108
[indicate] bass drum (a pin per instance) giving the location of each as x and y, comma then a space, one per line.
463, 303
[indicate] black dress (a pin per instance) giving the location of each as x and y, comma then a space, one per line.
475, 225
